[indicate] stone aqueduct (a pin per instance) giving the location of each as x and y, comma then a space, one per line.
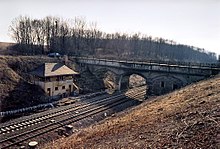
161, 77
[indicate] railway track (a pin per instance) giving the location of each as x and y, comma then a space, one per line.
39, 118
38, 115
18, 132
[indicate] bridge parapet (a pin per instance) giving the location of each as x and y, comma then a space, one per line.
178, 63
169, 67
161, 77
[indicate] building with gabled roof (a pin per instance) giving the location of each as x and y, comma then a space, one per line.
55, 79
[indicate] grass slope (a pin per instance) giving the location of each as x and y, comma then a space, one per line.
15, 90
188, 118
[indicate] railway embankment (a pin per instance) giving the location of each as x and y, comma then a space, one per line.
17, 92
186, 118
64, 120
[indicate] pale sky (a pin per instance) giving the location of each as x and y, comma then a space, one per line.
191, 22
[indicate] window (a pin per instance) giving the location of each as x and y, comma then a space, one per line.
162, 84
63, 87
48, 89
56, 88
59, 78
68, 77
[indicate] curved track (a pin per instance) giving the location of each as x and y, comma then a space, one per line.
18, 131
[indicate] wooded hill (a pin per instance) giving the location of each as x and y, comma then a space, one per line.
79, 38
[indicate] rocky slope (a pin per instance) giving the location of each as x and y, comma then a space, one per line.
187, 118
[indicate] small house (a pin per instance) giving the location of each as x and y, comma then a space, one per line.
55, 79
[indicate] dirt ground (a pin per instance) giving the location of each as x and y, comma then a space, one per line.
16, 90
186, 118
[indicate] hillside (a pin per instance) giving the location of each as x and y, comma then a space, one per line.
6, 48
15, 89
187, 118
82, 39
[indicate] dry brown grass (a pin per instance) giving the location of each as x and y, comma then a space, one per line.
5, 48
188, 118
4, 45
15, 92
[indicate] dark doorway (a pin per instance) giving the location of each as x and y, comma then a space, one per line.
162, 84
70, 89
49, 91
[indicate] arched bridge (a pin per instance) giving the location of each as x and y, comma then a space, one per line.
161, 77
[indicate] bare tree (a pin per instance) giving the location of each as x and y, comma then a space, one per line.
78, 37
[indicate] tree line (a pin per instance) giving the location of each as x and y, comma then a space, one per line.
81, 38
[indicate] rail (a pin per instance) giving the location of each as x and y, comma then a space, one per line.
24, 130
43, 106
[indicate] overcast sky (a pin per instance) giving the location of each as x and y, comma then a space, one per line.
191, 22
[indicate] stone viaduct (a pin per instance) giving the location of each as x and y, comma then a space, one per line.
161, 77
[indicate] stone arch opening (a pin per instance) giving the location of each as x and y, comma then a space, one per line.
166, 83
108, 78
137, 82
130, 80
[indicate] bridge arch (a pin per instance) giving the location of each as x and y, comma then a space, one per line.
125, 80
128, 74
161, 77
108, 76
161, 84
156, 84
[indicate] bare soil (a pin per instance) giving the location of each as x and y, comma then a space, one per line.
16, 90
186, 118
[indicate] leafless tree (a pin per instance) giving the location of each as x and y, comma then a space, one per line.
79, 37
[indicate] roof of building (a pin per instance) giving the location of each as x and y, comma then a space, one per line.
53, 69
